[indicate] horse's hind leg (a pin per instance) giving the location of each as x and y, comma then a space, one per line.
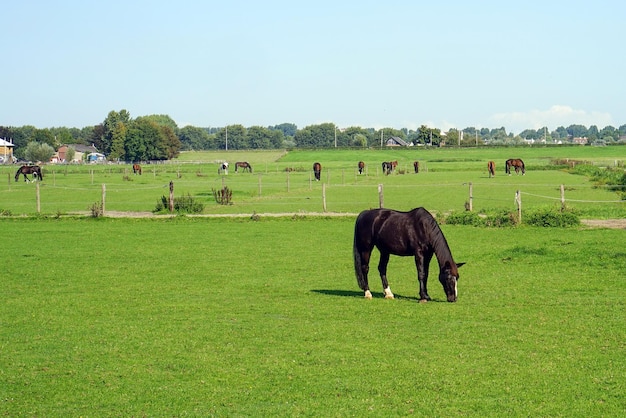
362, 262
382, 269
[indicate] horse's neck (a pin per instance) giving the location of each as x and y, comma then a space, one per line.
441, 249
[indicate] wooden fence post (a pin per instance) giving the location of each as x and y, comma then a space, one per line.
518, 201
562, 197
381, 200
324, 196
104, 197
38, 198
171, 202
471, 197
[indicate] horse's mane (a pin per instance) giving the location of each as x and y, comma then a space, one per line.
437, 239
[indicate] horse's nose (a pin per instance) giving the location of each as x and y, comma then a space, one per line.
451, 298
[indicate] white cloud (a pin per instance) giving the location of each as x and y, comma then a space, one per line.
554, 117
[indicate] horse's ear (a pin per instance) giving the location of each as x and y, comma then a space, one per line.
459, 264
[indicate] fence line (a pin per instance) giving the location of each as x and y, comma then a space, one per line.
327, 193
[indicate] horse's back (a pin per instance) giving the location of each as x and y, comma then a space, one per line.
393, 231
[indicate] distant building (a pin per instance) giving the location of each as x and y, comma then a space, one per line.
396, 141
79, 155
6, 151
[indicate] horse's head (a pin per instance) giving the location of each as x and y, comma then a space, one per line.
449, 276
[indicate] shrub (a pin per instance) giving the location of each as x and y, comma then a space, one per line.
551, 218
96, 210
463, 218
501, 219
224, 196
182, 204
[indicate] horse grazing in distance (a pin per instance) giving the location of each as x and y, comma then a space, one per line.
389, 166
361, 167
34, 170
517, 164
416, 166
491, 168
136, 169
415, 233
244, 165
317, 170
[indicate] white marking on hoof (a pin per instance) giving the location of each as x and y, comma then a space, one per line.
368, 294
388, 294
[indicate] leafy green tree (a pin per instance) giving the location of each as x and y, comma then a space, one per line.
163, 120
118, 150
232, 137
577, 131
69, 154
109, 124
43, 136
428, 136
316, 136
260, 138
172, 143
288, 129
37, 151
193, 138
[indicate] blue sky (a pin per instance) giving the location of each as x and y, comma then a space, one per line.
444, 64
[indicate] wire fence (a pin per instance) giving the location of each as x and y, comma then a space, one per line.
297, 194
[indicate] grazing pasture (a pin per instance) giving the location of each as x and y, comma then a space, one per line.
284, 183
236, 317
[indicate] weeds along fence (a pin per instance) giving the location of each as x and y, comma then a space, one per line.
343, 191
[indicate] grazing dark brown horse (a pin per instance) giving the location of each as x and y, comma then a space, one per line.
517, 164
389, 166
361, 167
244, 165
136, 169
416, 166
35, 170
416, 234
317, 170
491, 168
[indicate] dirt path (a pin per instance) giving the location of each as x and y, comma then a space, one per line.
593, 223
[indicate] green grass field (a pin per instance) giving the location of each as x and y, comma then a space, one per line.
235, 317
442, 185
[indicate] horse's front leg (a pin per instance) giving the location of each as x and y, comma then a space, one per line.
422, 263
382, 269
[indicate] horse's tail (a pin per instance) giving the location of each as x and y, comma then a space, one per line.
40, 173
358, 265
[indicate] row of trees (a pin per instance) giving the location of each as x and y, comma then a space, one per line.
157, 137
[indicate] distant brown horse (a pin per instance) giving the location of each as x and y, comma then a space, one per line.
35, 170
416, 166
136, 169
517, 164
244, 165
491, 167
361, 167
317, 169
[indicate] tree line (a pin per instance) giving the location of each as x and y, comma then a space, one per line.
157, 137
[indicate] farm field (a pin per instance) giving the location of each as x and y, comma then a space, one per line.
443, 183
235, 317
